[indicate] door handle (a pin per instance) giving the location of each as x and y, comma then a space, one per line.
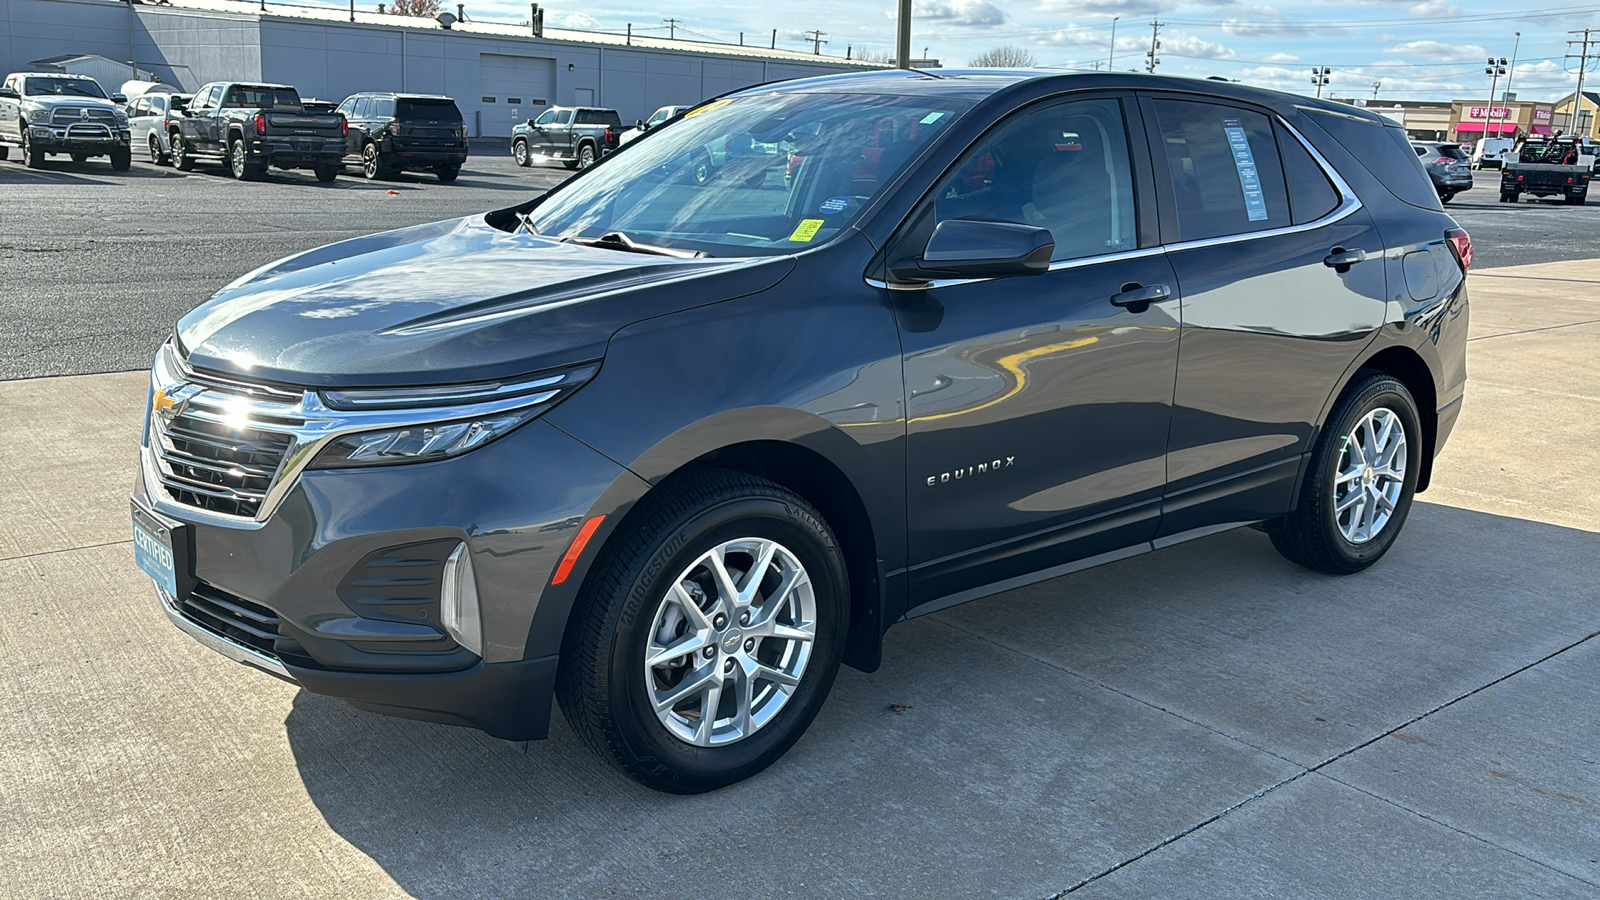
1137, 297
1340, 260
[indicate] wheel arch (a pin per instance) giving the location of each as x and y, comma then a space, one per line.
1406, 366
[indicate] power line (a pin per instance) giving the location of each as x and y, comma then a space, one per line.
816, 39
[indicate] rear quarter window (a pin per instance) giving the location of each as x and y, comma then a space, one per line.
1311, 194
1385, 152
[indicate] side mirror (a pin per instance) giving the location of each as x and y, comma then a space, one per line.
639, 124
119, 98
978, 248
9, 94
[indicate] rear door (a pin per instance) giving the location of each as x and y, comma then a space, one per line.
1283, 285
1038, 406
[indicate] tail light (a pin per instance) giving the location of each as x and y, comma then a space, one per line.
1519, 177
1444, 160
261, 123
1461, 245
344, 126
1569, 181
608, 136
392, 128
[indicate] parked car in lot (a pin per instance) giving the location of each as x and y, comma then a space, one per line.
44, 114
576, 136
1490, 153
391, 133
152, 118
251, 127
1448, 167
657, 118
671, 450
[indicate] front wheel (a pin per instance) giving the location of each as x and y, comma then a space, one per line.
31, 157
519, 150
704, 643
121, 159
1361, 480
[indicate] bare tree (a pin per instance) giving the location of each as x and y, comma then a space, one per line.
885, 57
1006, 56
425, 9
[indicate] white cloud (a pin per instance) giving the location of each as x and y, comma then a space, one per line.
1107, 8
1280, 58
978, 13
1435, 51
1434, 8
580, 20
1176, 43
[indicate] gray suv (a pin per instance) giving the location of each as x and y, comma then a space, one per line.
1449, 167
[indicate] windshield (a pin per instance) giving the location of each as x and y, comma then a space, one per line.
750, 176
64, 87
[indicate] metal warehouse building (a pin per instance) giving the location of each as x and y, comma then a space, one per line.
499, 74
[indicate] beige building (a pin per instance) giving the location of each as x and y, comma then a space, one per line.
1588, 123
1474, 119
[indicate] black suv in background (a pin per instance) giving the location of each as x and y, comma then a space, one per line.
391, 133
671, 448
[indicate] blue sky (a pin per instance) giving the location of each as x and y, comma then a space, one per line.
1418, 49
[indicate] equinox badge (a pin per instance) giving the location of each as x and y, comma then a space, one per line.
982, 468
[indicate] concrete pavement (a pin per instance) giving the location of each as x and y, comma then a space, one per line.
1204, 721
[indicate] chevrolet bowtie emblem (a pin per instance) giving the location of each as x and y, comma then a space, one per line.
169, 402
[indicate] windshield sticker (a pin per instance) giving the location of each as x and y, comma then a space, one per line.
834, 204
702, 110
1255, 204
931, 118
806, 230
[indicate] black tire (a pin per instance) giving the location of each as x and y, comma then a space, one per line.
5, 153
31, 158
519, 152
372, 165
80, 157
1512, 197
1311, 535
182, 160
326, 172
156, 156
1446, 198
601, 685
447, 174
239, 161
121, 159
586, 157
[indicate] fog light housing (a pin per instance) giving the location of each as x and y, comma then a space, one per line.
40, 131
458, 600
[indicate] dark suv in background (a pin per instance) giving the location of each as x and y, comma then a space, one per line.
1449, 167
391, 133
670, 448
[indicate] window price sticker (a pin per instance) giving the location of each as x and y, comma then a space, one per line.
806, 230
1255, 203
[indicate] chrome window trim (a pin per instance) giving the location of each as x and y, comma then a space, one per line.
1348, 204
318, 425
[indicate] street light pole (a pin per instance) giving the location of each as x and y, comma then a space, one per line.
1111, 58
1495, 69
903, 37
1510, 74
1320, 77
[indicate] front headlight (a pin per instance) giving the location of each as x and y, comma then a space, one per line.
502, 407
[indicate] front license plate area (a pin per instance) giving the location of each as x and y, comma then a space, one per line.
161, 550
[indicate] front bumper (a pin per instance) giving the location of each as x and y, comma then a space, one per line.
91, 139
337, 590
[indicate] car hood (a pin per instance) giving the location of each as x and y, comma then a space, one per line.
448, 302
51, 101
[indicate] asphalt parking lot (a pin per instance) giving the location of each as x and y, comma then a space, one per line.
1204, 721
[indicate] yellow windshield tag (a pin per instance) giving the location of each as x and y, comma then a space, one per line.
806, 230
702, 110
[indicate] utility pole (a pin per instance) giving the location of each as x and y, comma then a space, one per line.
902, 37
1111, 58
672, 28
1152, 59
816, 39
1513, 72
1574, 122
1320, 78
1495, 69
1375, 86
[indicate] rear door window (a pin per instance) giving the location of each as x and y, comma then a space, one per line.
363, 106
1223, 169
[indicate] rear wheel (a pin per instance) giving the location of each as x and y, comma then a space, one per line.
326, 172
585, 156
704, 643
519, 151
156, 156
1359, 487
1446, 198
241, 165
447, 174
372, 164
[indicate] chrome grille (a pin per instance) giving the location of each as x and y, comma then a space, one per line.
68, 115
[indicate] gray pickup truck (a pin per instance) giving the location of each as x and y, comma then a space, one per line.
45, 114
250, 127
575, 136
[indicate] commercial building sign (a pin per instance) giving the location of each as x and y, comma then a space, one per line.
1491, 112
1541, 114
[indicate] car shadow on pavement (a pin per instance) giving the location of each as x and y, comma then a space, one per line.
13, 172
1013, 746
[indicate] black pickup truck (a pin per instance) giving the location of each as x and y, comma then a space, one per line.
1548, 167
250, 127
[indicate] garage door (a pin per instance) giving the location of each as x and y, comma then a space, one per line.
515, 89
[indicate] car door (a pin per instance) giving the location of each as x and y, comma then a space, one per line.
1281, 290
8, 111
353, 138
538, 134
1038, 406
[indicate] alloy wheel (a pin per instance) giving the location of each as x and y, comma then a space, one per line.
730, 642
155, 148
369, 161
520, 151
585, 157
236, 160
1371, 475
